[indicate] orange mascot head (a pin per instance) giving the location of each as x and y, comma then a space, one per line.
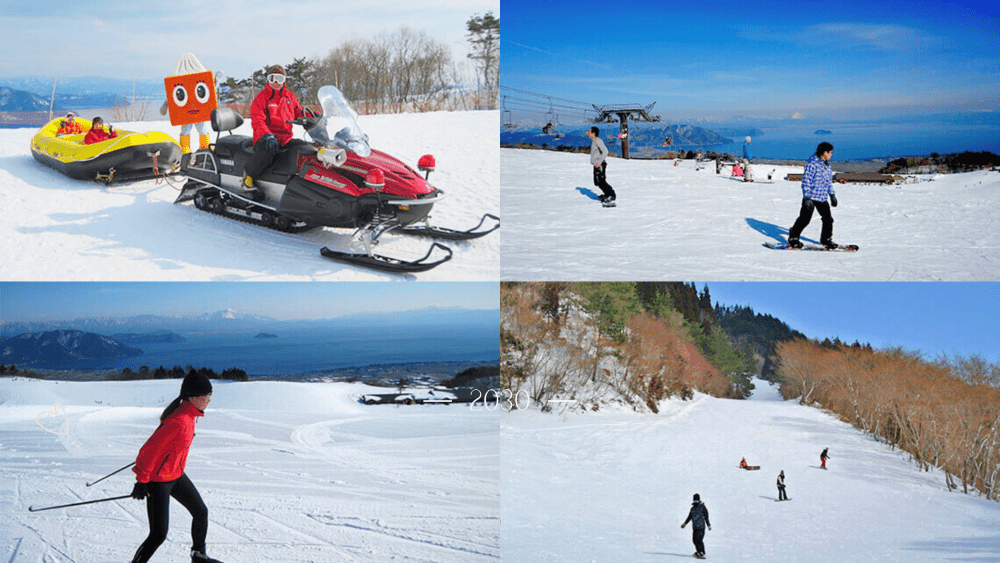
191, 92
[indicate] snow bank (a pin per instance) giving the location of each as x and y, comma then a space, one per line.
56, 228
676, 223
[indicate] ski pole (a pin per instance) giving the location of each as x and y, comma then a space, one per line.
33, 509
110, 474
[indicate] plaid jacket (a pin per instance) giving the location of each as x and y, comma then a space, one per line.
817, 180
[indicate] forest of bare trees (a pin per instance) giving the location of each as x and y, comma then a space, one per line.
944, 413
405, 70
599, 343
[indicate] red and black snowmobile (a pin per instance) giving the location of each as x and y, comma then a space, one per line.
338, 181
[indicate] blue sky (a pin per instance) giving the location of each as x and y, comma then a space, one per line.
933, 318
770, 59
122, 38
283, 301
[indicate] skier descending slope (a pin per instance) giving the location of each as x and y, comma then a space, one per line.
159, 470
823, 457
698, 516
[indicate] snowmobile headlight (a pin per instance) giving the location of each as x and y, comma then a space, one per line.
375, 179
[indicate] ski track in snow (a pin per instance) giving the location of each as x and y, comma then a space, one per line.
289, 472
61, 229
676, 223
615, 486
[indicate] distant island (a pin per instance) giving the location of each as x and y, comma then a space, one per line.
823, 132
266, 335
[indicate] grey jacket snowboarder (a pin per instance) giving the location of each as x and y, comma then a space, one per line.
598, 154
598, 151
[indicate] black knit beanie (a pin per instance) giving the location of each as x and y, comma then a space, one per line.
195, 385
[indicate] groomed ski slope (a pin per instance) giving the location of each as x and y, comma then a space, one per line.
290, 472
57, 228
676, 223
615, 486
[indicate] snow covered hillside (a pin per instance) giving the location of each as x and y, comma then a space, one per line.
290, 472
676, 223
615, 486
56, 228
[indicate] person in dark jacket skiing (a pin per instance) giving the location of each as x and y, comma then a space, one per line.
598, 155
159, 470
823, 457
698, 517
817, 185
781, 486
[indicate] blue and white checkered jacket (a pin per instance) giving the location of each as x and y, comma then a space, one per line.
817, 180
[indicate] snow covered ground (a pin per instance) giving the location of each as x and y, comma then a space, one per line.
56, 228
290, 472
615, 486
676, 223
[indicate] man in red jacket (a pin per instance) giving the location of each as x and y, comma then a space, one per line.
269, 113
159, 470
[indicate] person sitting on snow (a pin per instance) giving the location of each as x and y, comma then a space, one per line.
69, 126
743, 463
98, 134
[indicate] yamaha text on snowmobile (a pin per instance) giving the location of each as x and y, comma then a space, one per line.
336, 181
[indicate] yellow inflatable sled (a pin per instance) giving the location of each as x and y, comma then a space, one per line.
129, 156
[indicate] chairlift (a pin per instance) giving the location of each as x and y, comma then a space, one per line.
505, 116
552, 122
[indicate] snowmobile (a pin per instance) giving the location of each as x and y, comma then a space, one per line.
337, 181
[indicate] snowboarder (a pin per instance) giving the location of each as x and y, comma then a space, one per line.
159, 470
743, 463
823, 457
781, 486
698, 516
747, 157
598, 154
817, 185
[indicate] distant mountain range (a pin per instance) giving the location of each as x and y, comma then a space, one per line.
231, 321
33, 94
53, 347
644, 138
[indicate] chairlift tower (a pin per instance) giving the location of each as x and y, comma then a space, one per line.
607, 114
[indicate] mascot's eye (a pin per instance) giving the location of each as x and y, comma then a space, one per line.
202, 93
180, 96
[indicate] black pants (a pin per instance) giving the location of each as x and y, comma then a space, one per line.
805, 215
601, 179
781, 494
263, 158
158, 510
698, 537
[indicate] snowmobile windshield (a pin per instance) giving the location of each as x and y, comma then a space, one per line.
342, 122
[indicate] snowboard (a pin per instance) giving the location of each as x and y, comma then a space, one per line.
609, 204
840, 247
751, 467
781, 500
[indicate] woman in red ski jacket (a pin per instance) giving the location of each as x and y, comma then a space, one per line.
159, 470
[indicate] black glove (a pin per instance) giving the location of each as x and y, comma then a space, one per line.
808, 204
111, 129
271, 142
833, 200
140, 491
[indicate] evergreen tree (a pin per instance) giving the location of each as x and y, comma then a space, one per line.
612, 304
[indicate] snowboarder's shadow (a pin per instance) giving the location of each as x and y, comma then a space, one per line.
779, 234
589, 193
684, 555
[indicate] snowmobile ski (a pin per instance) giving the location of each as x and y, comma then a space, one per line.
840, 247
386, 263
452, 234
